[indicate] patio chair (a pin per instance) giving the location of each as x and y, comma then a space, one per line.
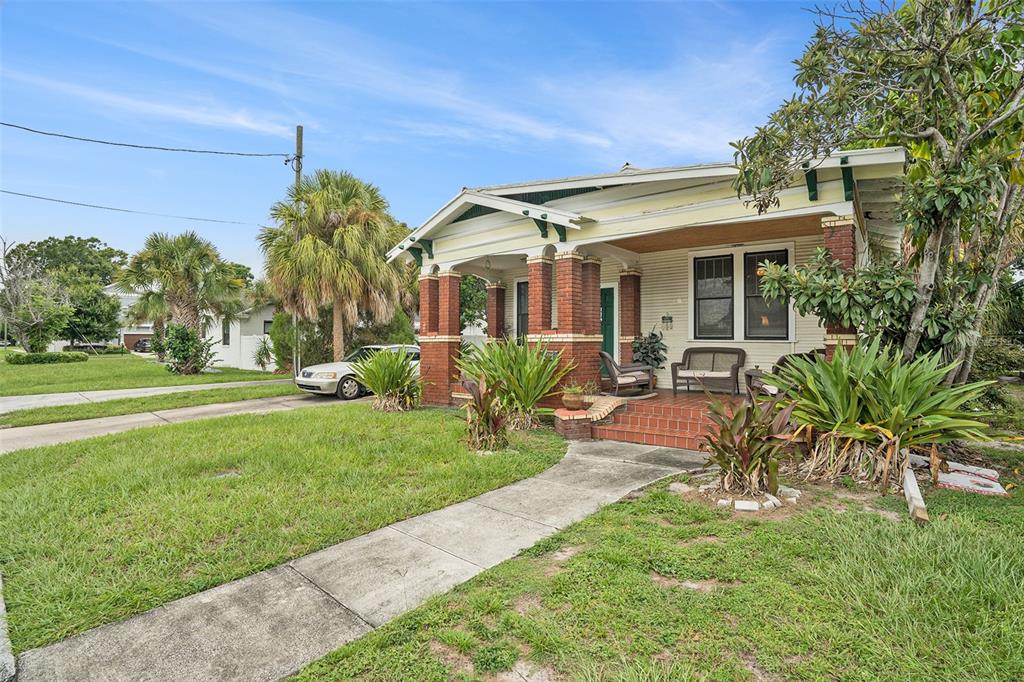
633, 375
758, 385
702, 366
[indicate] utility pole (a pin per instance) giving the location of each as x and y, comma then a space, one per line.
297, 166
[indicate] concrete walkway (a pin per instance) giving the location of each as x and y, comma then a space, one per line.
271, 624
24, 402
23, 437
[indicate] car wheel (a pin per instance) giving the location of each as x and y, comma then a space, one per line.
349, 388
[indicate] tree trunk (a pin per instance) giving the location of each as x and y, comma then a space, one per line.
925, 289
338, 328
158, 331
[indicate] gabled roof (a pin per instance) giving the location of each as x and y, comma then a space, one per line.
508, 197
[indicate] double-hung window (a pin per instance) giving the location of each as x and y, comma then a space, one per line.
762, 319
720, 306
713, 297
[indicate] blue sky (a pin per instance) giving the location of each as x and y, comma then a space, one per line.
419, 98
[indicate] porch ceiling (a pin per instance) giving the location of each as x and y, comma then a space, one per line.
731, 233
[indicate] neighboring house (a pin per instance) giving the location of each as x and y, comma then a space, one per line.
235, 342
128, 334
589, 263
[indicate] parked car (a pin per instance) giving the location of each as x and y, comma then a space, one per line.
338, 378
143, 346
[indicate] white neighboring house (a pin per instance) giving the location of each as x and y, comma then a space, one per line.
235, 342
128, 334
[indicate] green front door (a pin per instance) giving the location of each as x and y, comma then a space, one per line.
607, 323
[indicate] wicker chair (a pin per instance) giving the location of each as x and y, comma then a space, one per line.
633, 375
707, 365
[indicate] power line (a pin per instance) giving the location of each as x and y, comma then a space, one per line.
125, 210
139, 146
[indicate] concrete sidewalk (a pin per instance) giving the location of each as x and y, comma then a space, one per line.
271, 624
24, 402
23, 437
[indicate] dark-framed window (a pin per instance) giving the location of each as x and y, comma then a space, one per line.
522, 308
267, 324
763, 320
225, 333
713, 297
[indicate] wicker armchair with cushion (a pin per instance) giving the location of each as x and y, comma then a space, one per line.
633, 375
759, 386
709, 365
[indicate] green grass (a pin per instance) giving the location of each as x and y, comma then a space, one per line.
101, 529
819, 595
107, 372
110, 408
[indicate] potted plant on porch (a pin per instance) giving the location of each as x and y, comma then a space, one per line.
650, 350
572, 394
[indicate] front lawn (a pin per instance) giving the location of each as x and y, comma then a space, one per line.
664, 588
97, 530
151, 403
101, 372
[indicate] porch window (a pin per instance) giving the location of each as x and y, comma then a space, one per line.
763, 319
713, 297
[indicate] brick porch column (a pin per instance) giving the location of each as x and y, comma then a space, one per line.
840, 234
428, 304
591, 295
629, 312
495, 310
538, 270
440, 350
578, 347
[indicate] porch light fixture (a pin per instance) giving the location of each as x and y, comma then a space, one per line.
666, 322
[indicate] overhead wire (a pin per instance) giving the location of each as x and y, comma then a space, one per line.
126, 210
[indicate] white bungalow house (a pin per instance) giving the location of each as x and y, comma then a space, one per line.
235, 341
589, 263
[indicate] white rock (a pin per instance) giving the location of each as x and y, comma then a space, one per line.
708, 487
746, 505
791, 500
771, 502
724, 502
680, 487
788, 492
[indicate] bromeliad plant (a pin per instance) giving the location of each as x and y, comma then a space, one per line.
484, 416
746, 443
393, 378
868, 409
523, 374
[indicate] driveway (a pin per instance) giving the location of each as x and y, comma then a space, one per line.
24, 402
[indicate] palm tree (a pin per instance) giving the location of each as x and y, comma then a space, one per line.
185, 274
328, 249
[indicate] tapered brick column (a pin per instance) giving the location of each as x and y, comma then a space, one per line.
495, 310
629, 312
538, 270
428, 304
439, 350
591, 295
840, 235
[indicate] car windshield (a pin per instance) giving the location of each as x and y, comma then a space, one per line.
360, 353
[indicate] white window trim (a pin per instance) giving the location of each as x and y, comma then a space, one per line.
614, 286
514, 332
738, 326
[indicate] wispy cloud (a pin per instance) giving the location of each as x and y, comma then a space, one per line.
199, 113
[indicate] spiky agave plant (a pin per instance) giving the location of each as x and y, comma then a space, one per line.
525, 374
746, 441
868, 409
484, 416
392, 377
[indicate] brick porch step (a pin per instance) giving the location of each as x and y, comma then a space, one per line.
662, 422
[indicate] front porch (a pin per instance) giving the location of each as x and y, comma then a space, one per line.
584, 265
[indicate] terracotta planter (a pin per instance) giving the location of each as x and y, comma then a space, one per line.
572, 401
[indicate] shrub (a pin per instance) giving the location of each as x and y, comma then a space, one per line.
315, 346
995, 357
187, 352
747, 442
107, 350
392, 377
523, 374
868, 409
484, 416
263, 354
45, 358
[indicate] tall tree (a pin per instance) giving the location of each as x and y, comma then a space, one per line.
943, 78
32, 305
328, 249
89, 256
189, 275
